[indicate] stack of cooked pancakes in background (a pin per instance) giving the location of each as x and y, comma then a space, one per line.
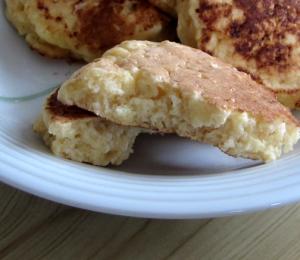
141, 86
169, 88
260, 37
85, 29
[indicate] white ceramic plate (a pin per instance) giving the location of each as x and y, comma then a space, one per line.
167, 177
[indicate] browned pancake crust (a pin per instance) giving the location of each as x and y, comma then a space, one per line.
112, 27
260, 34
61, 112
86, 28
101, 25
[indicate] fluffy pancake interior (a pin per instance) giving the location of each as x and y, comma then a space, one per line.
236, 133
79, 135
136, 99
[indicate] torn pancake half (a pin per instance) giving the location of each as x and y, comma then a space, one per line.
173, 88
79, 135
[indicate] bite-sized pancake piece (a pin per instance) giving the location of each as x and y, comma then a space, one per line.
85, 29
168, 6
79, 135
177, 89
261, 37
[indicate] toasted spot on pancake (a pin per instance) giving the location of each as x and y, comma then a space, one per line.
260, 37
63, 112
115, 22
259, 30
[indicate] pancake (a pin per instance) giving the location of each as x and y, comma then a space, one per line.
261, 38
168, 6
85, 29
79, 135
173, 88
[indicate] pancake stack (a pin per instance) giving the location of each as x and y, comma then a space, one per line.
139, 82
142, 86
80, 135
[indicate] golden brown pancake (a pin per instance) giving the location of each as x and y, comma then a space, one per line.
79, 135
85, 29
173, 88
260, 37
